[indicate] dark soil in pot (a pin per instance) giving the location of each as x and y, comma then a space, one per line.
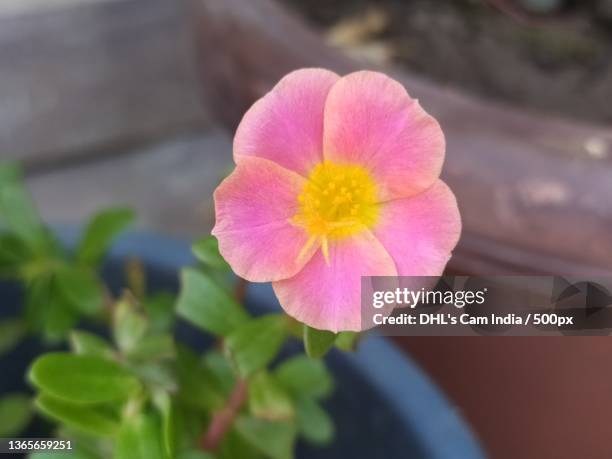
554, 55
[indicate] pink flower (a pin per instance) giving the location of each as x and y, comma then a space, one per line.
336, 178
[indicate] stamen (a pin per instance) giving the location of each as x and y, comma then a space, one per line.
309, 243
325, 249
338, 200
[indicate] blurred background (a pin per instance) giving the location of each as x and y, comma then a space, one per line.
134, 102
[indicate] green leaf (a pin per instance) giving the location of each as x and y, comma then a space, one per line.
129, 325
81, 378
81, 289
314, 423
221, 370
206, 251
18, 212
12, 332
206, 305
160, 310
15, 414
275, 439
100, 232
163, 402
94, 420
85, 343
13, 253
85, 445
140, 437
268, 399
38, 291
256, 343
47, 310
158, 375
195, 454
305, 377
189, 425
153, 347
234, 446
198, 386
317, 342
76, 453
59, 319
347, 341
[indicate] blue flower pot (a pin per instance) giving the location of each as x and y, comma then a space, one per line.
383, 405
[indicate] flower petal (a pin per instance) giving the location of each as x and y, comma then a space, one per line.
328, 297
420, 232
286, 125
253, 206
371, 120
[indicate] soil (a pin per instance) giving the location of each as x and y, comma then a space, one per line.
552, 55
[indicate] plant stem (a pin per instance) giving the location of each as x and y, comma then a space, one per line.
240, 289
222, 420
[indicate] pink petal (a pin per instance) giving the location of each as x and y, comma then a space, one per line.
371, 120
253, 206
420, 232
286, 125
328, 297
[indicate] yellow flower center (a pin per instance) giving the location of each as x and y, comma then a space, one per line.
337, 201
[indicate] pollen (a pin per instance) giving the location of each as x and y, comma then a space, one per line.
338, 200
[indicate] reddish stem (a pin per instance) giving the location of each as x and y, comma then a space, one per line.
222, 420
241, 289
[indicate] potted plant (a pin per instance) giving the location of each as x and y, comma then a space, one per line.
128, 362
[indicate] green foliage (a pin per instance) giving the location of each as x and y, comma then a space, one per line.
15, 414
75, 453
145, 415
61, 289
47, 311
18, 213
197, 382
140, 437
160, 309
308, 381
235, 446
195, 454
164, 405
137, 393
205, 304
313, 422
100, 232
206, 251
275, 439
347, 341
13, 254
80, 288
11, 332
317, 342
82, 378
85, 343
92, 419
305, 377
221, 370
268, 399
153, 347
254, 344
129, 325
